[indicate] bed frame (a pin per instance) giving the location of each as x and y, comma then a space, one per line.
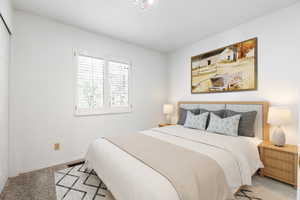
264, 105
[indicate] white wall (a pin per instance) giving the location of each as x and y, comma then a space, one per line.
298, 191
6, 12
278, 63
42, 95
4, 64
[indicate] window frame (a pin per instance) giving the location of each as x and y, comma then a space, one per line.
106, 109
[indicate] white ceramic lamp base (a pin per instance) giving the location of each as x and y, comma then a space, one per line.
168, 119
278, 137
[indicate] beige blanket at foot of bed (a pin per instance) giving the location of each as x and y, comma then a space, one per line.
193, 175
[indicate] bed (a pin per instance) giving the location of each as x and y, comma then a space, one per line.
130, 179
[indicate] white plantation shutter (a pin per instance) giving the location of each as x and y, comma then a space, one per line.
90, 83
119, 84
102, 86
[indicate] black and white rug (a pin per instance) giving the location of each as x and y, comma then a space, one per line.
77, 183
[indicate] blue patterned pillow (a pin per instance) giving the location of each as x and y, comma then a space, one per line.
196, 121
226, 126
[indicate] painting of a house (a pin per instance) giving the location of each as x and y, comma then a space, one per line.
231, 68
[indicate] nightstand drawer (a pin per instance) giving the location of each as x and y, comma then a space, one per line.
283, 156
279, 164
280, 174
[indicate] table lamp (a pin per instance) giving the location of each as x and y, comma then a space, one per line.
278, 116
168, 110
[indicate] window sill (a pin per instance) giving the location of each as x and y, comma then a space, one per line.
111, 111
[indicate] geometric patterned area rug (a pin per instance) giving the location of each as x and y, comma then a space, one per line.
77, 183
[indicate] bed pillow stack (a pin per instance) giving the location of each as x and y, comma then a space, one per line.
226, 122
219, 113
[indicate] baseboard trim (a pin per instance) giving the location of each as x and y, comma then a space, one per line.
74, 162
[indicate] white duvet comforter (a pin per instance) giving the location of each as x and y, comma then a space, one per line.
129, 179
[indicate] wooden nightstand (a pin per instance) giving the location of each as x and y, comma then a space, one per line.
163, 125
280, 163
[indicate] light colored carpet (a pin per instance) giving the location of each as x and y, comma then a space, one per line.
77, 183
270, 188
37, 185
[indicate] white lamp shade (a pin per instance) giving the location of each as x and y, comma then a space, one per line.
279, 116
168, 109
151, 2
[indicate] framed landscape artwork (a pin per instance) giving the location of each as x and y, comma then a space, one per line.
228, 69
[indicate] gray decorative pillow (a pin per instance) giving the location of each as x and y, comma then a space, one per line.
183, 113
220, 113
196, 121
226, 126
246, 125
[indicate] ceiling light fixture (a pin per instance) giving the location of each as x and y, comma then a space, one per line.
144, 4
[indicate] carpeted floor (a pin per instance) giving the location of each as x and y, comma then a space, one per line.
75, 183
37, 185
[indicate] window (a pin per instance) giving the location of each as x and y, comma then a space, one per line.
90, 82
102, 86
119, 84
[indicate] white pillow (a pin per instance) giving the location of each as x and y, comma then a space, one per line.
226, 126
196, 121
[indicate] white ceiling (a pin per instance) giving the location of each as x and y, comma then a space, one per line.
168, 25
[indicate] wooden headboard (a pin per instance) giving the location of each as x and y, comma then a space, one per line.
263, 104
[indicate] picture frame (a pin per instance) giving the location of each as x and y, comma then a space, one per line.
228, 69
